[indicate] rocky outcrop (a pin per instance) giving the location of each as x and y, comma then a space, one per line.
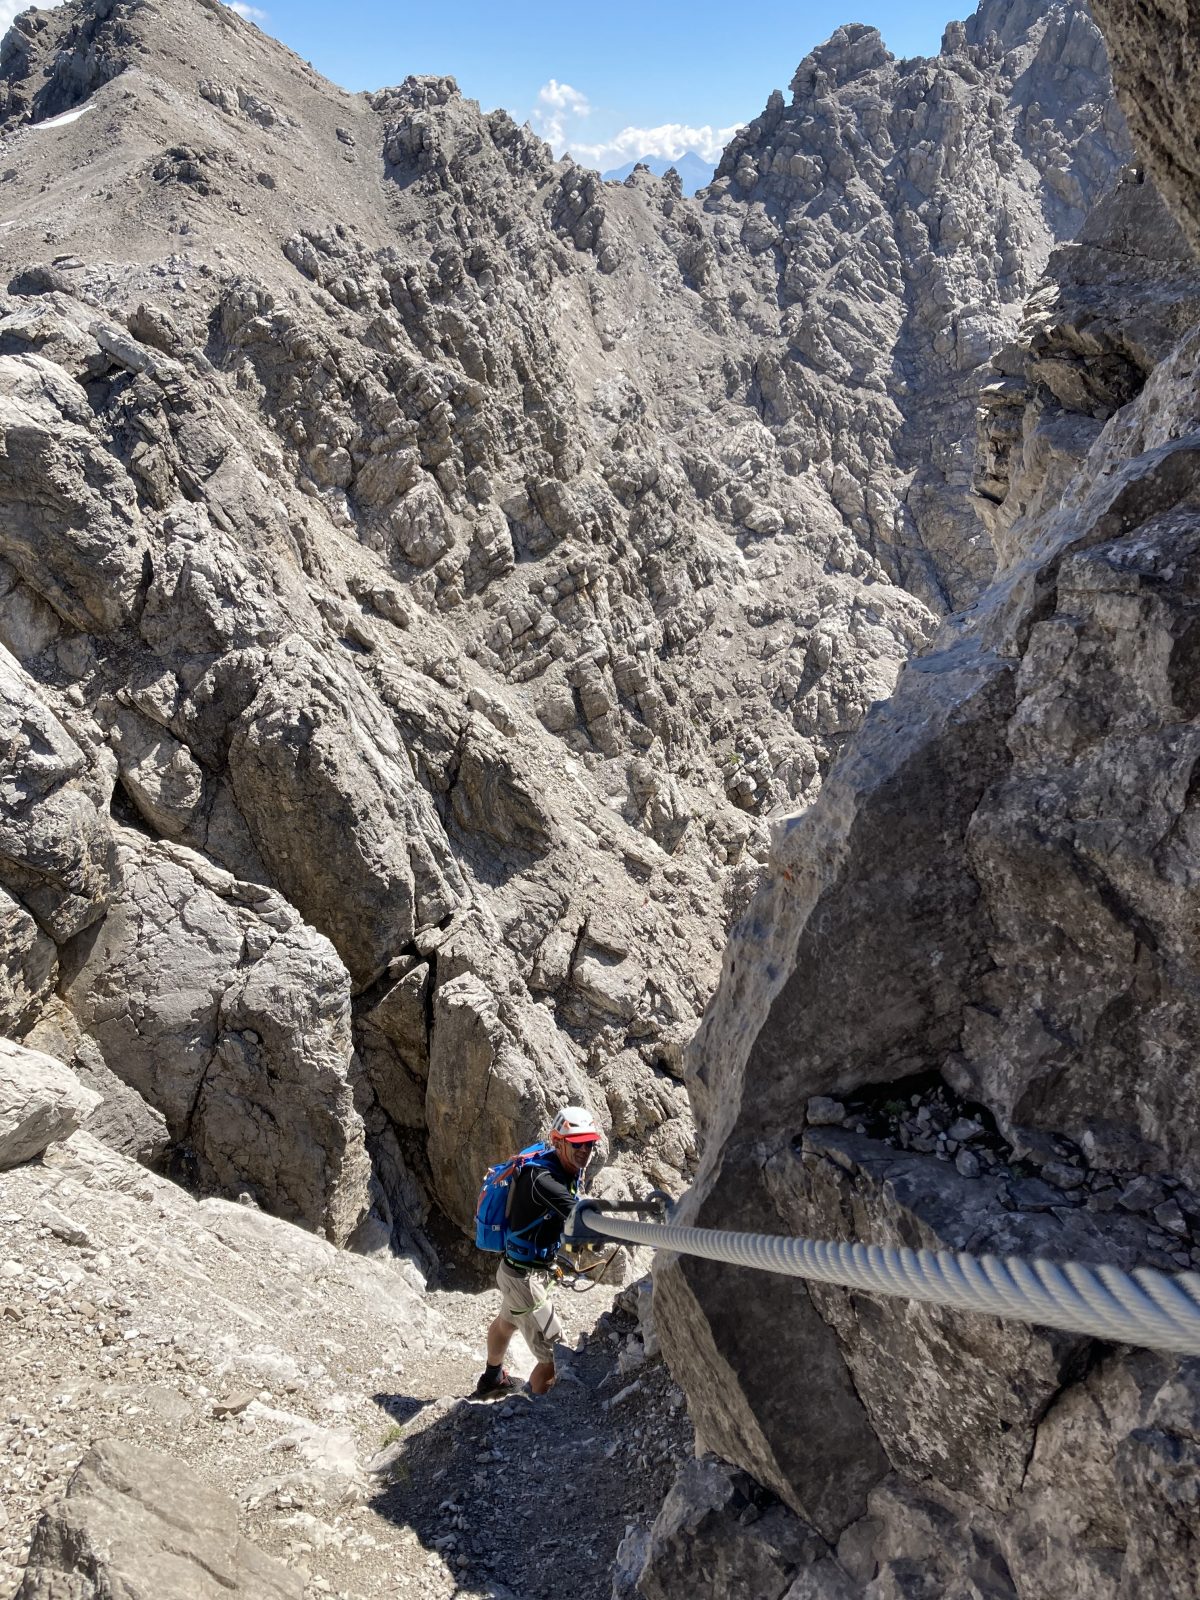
1116, 302
53, 833
142, 1524
905, 209
473, 562
217, 1004
1153, 47
41, 1101
373, 864
251, 729
719, 1534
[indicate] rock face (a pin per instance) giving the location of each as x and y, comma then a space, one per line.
718, 1535
235, 1023
998, 864
41, 1101
57, 851
141, 1524
416, 594
1156, 71
424, 569
905, 209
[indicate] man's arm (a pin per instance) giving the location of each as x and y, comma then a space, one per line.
551, 1192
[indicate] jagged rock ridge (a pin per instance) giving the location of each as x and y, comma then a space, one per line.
426, 568
419, 601
899, 213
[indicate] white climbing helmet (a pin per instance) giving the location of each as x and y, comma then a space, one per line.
577, 1125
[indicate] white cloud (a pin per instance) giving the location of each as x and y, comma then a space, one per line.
669, 140
564, 98
251, 13
560, 108
558, 103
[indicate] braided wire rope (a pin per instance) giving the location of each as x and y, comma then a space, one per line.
1143, 1307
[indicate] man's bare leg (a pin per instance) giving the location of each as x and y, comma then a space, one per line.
499, 1337
542, 1377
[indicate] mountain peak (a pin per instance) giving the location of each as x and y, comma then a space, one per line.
694, 172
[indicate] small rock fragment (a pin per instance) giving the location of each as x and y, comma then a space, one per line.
825, 1112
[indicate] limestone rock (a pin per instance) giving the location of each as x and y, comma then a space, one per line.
231, 1016
54, 836
1116, 301
158, 773
142, 1524
718, 1535
70, 516
371, 864
1032, 771
122, 1119
1156, 78
41, 1102
432, 570
501, 573
508, 1065
153, 1306
903, 322
30, 963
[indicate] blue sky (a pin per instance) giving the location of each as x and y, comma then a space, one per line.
611, 82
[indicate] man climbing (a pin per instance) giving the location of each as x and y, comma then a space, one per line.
544, 1191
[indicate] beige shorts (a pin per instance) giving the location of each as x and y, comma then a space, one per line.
526, 1301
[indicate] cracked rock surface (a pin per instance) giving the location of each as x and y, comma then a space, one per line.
469, 554
441, 593
999, 862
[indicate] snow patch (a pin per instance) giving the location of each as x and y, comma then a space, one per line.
63, 118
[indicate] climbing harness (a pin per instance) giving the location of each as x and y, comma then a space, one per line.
569, 1274
1144, 1307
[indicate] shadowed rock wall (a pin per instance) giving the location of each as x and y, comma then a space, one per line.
962, 1012
1156, 70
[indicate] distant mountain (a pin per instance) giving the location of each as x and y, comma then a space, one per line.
693, 169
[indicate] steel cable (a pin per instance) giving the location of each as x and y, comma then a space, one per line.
1145, 1307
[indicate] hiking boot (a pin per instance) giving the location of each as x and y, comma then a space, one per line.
495, 1388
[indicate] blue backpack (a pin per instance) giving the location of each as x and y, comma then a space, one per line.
495, 1203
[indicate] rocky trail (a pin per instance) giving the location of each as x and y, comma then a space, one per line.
323, 1393
534, 1500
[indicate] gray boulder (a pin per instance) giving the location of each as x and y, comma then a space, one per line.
123, 1120
231, 1016
71, 525
335, 812
41, 1102
720, 1537
141, 1524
